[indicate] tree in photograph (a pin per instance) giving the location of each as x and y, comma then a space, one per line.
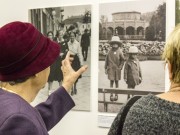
157, 25
100, 32
104, 32
150, 33
177, 12
109, 34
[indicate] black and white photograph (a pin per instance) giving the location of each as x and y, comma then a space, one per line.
177, 11
70, 27
131, 40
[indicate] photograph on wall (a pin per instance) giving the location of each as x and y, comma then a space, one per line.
70, 27
177, 11
131, 41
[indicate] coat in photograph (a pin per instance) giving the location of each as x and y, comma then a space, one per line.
114, 63
132, 72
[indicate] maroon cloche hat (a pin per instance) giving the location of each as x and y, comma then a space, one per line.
24, 51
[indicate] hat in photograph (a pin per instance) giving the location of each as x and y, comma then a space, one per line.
133, 49
115, 39
24, 51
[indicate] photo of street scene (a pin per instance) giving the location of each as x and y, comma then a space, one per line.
131, 41
177, 11
70, 27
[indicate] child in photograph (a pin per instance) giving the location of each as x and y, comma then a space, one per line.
114, 62
132, 70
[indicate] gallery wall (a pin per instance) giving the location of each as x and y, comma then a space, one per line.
76, 122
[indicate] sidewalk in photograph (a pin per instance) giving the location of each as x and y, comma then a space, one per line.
81, 99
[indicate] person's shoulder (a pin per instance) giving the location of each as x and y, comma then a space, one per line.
109, 52
26, 125
148, 100
9, 105
9, 100
12, 103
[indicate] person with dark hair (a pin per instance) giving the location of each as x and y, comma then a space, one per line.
64, 49
55, 71
50, 35
75, 50
26, 56
75, 29
85, 43
71, 29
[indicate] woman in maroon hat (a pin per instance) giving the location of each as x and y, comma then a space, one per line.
24, 70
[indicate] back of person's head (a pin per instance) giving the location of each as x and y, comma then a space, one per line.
24, 51
172, 53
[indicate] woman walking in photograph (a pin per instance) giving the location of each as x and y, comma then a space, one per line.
75, 50
55, 70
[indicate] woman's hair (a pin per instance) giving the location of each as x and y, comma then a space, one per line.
20, 80
172, 53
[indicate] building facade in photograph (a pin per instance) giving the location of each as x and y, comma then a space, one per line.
127, 25
51, 19
70, 28
46, 19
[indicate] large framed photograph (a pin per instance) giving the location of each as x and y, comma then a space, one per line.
70, 27
131, 41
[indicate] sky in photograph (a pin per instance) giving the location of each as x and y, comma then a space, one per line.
75, 10
142, 6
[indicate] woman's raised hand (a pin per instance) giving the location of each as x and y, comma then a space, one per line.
69, 75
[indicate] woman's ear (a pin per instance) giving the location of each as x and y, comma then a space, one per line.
169, 70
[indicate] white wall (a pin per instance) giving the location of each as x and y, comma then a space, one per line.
75, 122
